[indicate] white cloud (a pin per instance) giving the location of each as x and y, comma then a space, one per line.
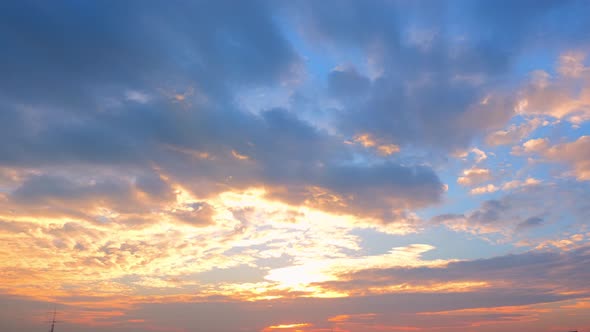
490, 188
474, 176
137, 96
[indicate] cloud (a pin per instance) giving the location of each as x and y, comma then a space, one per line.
164, 165
565, 96
282, 152
551, 272
245, 48
535, 145
514, 133
474, 176
236, 234
480, 155
381, 148
531, 223
490, 188
347, 82
506, 186
430, 83
574, 154
141, 107
515, 184
303, 276
519, 207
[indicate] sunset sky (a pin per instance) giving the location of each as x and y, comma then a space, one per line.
295, 166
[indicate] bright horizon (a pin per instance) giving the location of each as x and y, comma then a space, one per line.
295, 166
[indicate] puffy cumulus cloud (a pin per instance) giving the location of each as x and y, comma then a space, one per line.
565, 96
575, 154
474, 176
490, 188
546, 99
535, 145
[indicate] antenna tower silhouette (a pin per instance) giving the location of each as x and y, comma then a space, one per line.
52, 322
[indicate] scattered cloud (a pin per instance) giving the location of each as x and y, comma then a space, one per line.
515, 133
490, 188
565, 96
474, 176
574, 154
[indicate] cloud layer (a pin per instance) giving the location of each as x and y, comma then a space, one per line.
297, 166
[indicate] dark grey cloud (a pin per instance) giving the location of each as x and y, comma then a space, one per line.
63, 60
90, 198
38, 189
280, 152
64, 53
531, 23
69, 71
489, 212
531, 223
348, 82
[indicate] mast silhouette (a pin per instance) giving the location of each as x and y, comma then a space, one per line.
52, 322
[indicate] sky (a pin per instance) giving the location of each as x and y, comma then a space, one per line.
295, 166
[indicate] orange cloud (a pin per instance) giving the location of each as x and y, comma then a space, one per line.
382, 148
239, 156
566, 96
573, 153
288, 326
